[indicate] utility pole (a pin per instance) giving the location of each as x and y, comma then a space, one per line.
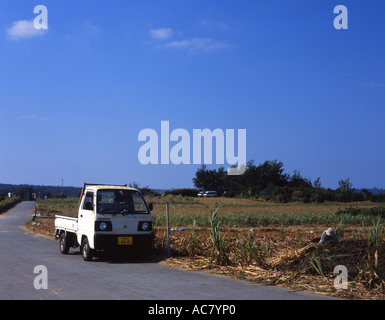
168, 231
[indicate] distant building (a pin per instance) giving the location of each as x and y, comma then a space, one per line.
26, 194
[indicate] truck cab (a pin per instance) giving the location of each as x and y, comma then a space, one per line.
110, 218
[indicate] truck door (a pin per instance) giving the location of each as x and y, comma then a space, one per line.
86, 217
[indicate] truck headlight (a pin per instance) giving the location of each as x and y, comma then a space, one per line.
144, 226
103, 226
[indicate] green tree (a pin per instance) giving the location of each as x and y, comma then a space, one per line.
345, 185
317, 183
210, 179
296, 180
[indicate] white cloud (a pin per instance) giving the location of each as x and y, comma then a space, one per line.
197, 44
90, 29
161, 33
211, 25
23, 29
84, 29
28, 117
178, 44
372, 84
193, 44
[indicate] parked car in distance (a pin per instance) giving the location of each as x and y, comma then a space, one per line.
200, 194
208, 194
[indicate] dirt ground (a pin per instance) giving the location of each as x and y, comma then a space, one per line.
288, 258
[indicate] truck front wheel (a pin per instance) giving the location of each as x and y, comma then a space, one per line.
63, 243
86, 251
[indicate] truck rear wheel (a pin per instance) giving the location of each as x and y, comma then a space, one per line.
63, 243
86, 251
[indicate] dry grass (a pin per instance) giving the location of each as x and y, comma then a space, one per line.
286, 263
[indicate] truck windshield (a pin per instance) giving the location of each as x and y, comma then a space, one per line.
120, 201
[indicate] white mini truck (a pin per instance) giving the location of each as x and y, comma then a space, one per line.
110, 218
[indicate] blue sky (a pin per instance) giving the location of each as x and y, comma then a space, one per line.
74, 98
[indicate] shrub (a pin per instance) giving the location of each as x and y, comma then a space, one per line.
374, 212
183, 192
9, 203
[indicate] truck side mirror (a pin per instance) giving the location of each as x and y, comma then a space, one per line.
151, 206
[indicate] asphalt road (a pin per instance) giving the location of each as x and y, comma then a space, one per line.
69, 277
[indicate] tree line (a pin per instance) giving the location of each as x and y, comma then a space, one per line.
268, 181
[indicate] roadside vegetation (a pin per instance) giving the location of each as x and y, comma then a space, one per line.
8, 203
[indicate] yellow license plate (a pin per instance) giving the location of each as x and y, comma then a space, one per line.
124, 241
